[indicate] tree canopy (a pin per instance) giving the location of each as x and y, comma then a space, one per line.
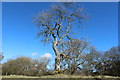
55, 24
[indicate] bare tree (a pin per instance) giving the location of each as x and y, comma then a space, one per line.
109, 62
25, 66
55, 24
76, 53
43, 65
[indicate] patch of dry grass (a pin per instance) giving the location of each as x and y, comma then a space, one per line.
58, 76
18, 76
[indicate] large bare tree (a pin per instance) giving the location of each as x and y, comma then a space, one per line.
76, 54
55, 24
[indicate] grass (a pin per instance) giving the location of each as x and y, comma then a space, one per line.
58, 76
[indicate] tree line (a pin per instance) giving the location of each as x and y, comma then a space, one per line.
25, 66
74, 62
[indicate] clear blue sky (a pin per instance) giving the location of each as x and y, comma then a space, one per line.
19, 33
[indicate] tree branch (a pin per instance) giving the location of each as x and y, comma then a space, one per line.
66, 34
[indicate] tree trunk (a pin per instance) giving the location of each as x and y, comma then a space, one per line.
57, 59
72, 71
57, 63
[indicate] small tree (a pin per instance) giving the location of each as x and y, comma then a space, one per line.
55, 24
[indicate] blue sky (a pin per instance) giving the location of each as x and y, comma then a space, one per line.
19, 32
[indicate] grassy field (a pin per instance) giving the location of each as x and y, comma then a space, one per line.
59, 76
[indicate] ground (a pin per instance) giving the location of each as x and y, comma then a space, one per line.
58, 76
